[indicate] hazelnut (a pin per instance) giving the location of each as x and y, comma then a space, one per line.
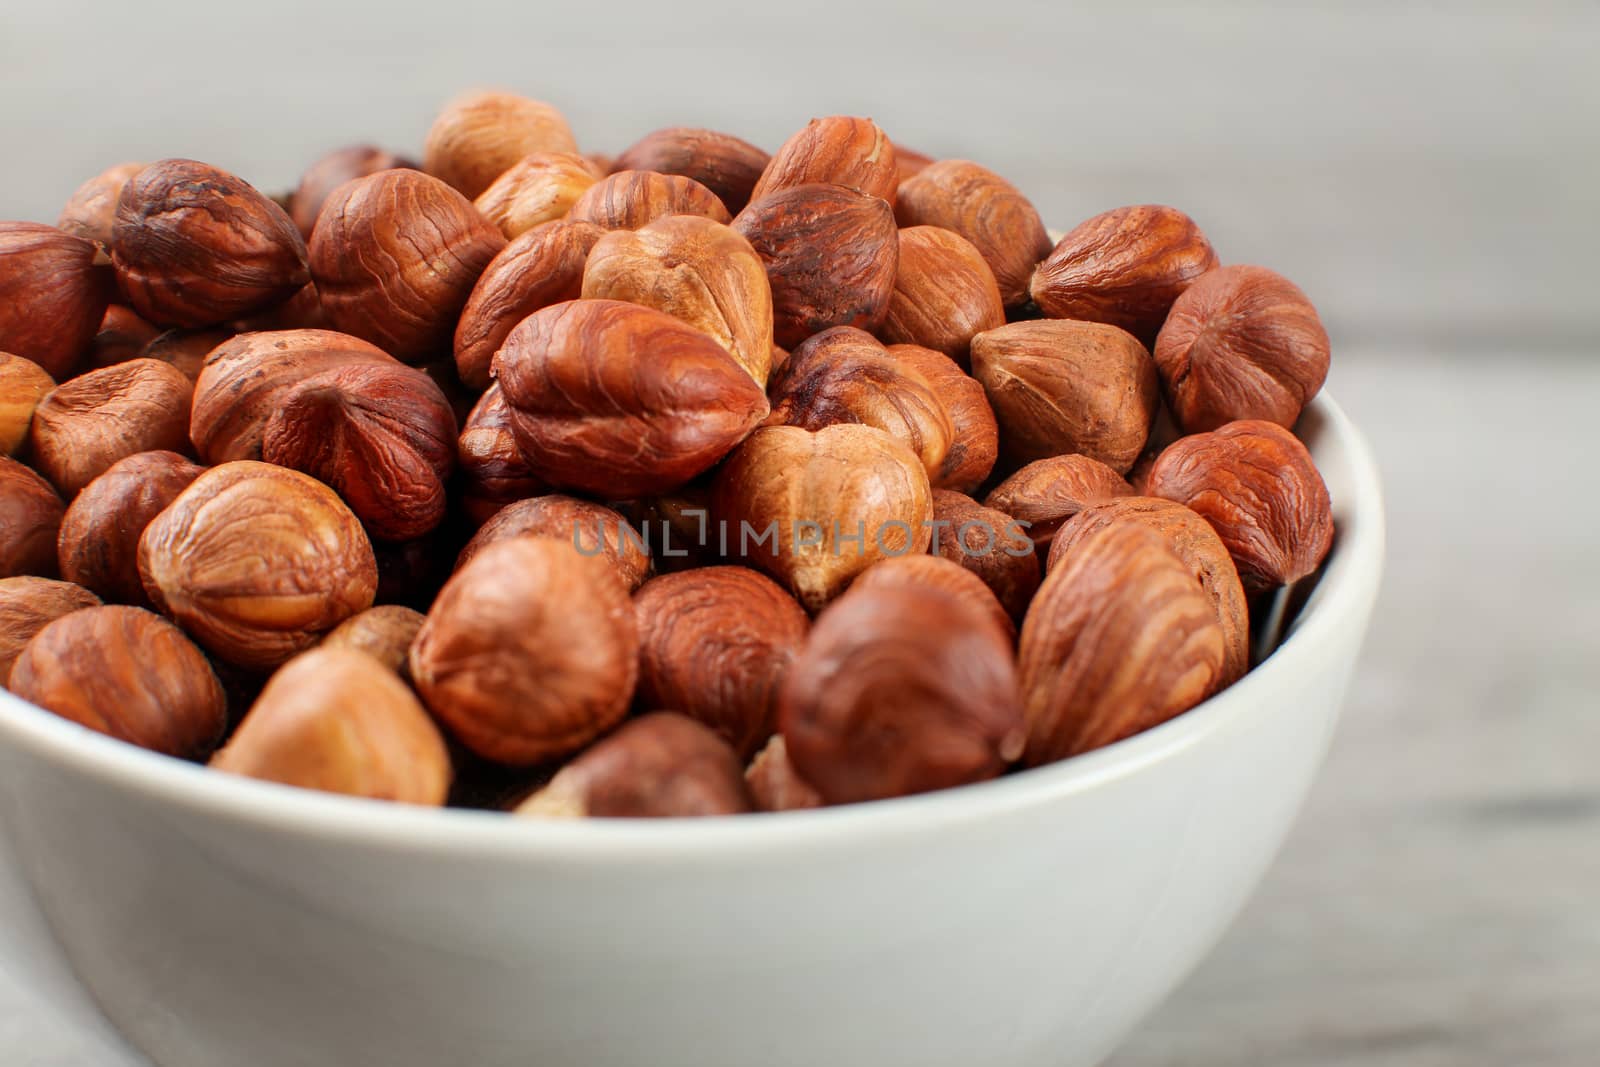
127, 673
726, 165
186, 349
943, 575
838, 150
908, 162
333, 170
23, 383
542, 267
98, 545
395, 256
899, 691
1120, 638
1060, 386
976, 444
773, 782
477, 137
336, 720
494, 472
845, 375
85, 425
987, 210
529, 653
990, 544
714, 644
30, 517
385, 633
1241, 343
694, 269
628, 199
28, 605
381, 433
1124, 267
944, 294
123, 335
1048, 492
660, 766
621, 400
815, 509
196, 246
592, 529
830, 253
257, 562
93, 207
53, 294
1197, 544
1258, 487
536, 189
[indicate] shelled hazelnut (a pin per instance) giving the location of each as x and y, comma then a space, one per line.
726, 165
333, 170
92, 209
28, 605
536, 189
494, 473
985, 209
98, 546
30, 518
478, 136
54, 289
85, 425
629, 199
23, 383
385, 633
591, 529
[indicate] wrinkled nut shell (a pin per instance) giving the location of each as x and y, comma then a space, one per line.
990, 544
536, 189
257, 562
339, 721
1241, 343
478, 136
1048, 492
1120, 638
85, 425
529, 653
385, 633
28, 605
30, 519
23, 383
944, 294
975, 447
660, 766
494, 472
1258, 487
630, 199
93, 207
945, 576
838, 150
774, 784
98, 545
726, 165
330, 172
987, 210
592, 529
52, 295
715, 644
127, 673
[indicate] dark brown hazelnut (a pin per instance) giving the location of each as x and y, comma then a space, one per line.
773, 782
838, 150
976, 444
945, 576
591, 529
535, 190
98, 546
333, 170
1048, 492
629, 199
28, 605
984, 208
477, 136
494, 473
990, 544
944, 294
93, 207
86, 424
726, 165
53, 294
23, 383
30, 518
385, 633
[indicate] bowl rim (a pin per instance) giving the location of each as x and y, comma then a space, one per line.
1343, 596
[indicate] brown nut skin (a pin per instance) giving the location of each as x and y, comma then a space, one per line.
831, 255
1047, 492
991, 545
535, 190
715, 643
592, 529
28, 605
1059, 386
987, 210
244, 380
85, 425
98, 546
844, 375
385, 633
93, 207
908, 162
476, 137
333, 170
127, 673
122, 336
976, 446
791, 501
773, 782
1259, 488
53, 294
944, 294
696, 270
900, 691
529, 653
23, 383
629, 199
663, 765
494, 473
542, 267
257, 562
186, 349
1124, 267
382, 434
1120, 638
837, 150
339, 721
1241, 343
395, 256
1197, 544
726, 165
30, 518
196, 246
620, 400
946, 576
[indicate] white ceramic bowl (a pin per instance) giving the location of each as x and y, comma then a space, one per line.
1028, 922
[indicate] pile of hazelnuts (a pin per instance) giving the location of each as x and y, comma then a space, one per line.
691, 481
